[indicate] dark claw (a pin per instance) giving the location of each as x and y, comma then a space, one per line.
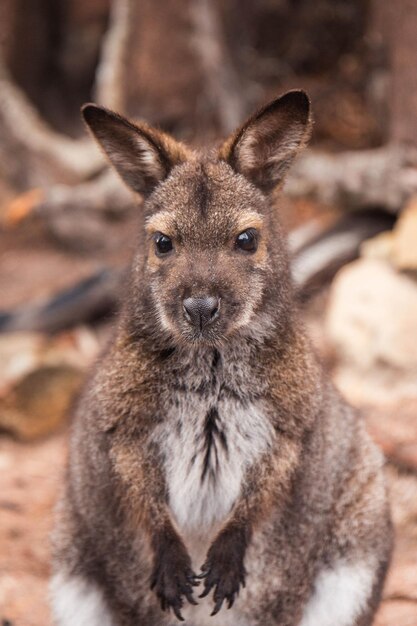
190, 598
173, 580
224, 569
217, 606
177, 613
209, 583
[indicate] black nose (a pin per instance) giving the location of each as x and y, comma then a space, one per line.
201, 312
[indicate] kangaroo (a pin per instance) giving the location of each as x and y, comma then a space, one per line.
210, 454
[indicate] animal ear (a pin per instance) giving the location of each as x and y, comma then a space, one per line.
142, 156
265, 146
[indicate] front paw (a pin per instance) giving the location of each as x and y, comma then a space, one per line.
172, 577
224, 569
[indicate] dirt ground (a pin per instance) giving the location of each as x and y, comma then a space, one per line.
31, 473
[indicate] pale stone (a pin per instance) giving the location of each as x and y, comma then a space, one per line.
379, 247
372, 325
398, 246
404, 254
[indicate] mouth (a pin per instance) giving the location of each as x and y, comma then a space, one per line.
204, 337
211, 336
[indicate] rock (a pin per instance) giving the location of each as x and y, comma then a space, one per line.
399, 605
39, 377
399, 245
402, 487
379, 247
393, 426
402, 580
38, 403
404, 254
19, 353
372, 325
400, 612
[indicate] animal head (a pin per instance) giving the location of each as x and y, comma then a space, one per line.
213, 250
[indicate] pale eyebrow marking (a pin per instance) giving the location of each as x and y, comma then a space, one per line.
249, 219
161, 221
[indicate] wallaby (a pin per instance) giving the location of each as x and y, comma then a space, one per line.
208, 447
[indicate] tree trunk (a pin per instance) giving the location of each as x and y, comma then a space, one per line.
403, 88
180, 68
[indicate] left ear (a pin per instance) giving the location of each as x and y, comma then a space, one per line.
143, 156
263, 148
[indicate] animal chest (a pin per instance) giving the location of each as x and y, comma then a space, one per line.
208, 445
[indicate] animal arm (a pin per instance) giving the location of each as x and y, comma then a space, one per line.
267, 483
172, 577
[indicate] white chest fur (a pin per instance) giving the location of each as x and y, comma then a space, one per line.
208, 447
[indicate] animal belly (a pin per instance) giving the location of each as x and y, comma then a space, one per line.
207, 460
201, 500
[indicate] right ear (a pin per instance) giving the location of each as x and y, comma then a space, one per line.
263, 148
142, 156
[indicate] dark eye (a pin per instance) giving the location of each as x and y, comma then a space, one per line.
248, 240
163, 243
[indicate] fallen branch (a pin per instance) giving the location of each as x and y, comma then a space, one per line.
317, 257
84, 302
22, 125
384, 177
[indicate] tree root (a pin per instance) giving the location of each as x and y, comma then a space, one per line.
22, 126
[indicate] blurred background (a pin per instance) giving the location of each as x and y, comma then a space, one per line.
196, 68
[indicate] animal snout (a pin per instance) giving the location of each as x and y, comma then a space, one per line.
201, 312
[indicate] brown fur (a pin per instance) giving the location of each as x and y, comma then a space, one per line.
313, 495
